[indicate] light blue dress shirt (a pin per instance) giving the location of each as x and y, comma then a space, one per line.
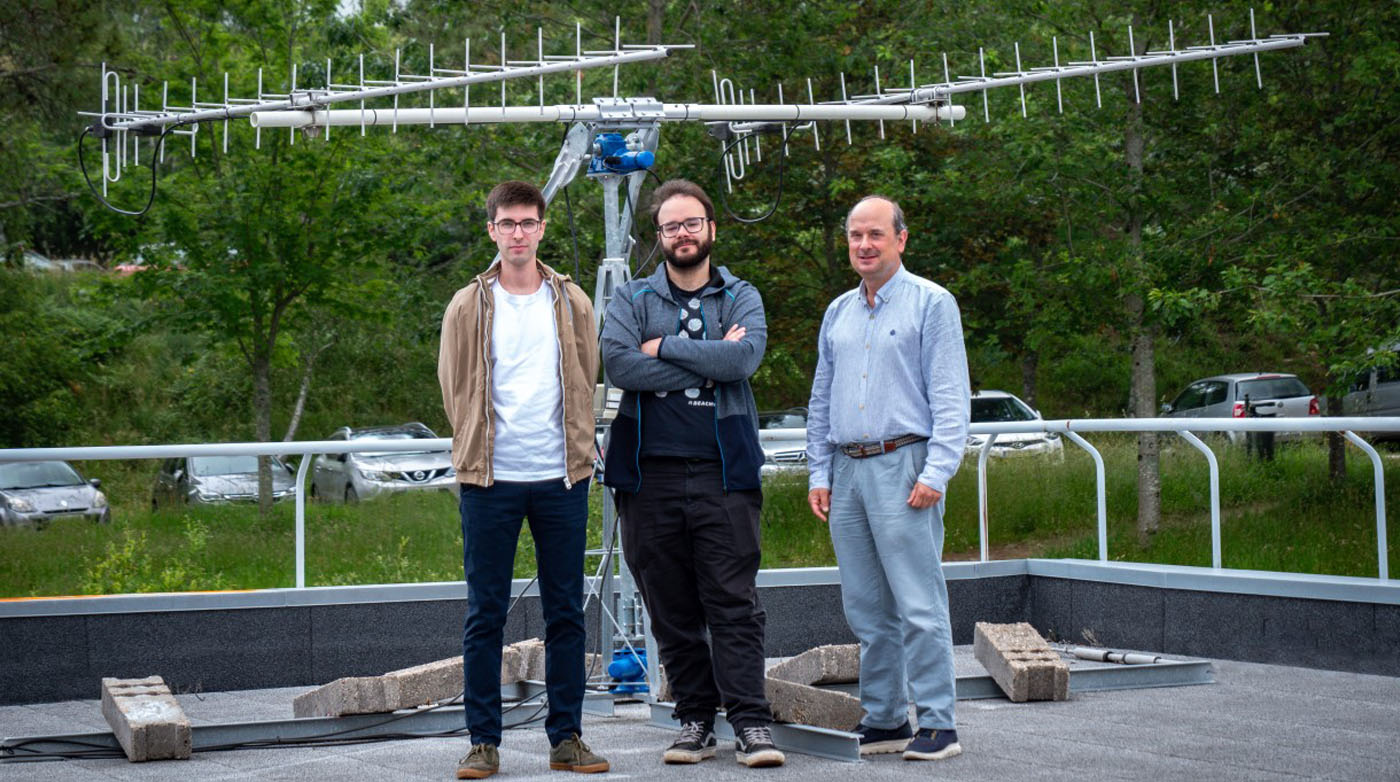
893, 369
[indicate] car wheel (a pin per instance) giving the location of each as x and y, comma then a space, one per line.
350, 495
106, 517
155, 505
314, 495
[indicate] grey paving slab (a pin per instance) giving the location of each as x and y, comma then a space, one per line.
1258, 722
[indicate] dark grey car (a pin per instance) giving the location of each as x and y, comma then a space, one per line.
206, 479
39, 492
1265, 394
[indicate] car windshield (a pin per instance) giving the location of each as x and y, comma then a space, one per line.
34, 475
393, 434
788, 420
1271, 388
224, 465
999, 408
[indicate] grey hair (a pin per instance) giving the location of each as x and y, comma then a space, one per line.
899, 224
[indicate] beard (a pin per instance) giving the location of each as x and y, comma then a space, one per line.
702, 252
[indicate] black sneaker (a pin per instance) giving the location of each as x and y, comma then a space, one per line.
696, 743
882, 741
753, 746
930, 744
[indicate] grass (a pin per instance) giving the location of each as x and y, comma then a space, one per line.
1279, 516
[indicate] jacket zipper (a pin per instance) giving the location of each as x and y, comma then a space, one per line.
563, 384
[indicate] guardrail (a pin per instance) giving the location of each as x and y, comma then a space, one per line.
1071, 428
1187, 428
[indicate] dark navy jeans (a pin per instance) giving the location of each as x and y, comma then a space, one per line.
491, 519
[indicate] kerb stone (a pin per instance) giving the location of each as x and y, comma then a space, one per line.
832, 664
807, 705
146, 719
1021, 662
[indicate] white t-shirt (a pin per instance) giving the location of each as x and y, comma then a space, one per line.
525, 393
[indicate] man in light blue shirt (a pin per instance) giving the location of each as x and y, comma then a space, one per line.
886, 431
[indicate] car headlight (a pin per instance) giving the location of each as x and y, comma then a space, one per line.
21, 505
376, 475
99, 500
207, 495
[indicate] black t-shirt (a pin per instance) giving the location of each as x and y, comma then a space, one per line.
682, 423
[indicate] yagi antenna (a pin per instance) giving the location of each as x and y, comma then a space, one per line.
733, 119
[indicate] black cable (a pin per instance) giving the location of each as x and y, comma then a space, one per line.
569, 206
155, 160
782, 166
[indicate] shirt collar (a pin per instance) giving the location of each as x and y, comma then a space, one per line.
886, 290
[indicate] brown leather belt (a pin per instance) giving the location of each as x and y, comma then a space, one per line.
878, 447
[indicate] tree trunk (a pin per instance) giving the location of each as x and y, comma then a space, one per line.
1030, 362
1144, 377
1336, 445
262, 422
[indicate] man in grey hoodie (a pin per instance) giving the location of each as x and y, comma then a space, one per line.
684, 457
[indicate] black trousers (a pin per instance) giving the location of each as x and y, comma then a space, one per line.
694, 551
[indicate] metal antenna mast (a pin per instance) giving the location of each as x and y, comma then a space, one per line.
616, 137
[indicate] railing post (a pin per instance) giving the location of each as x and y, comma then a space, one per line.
1382, 558
301, 520
982, 494
1214, 495
1100, 491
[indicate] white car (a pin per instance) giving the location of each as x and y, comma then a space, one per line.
1001, 407
363, 474
783, 437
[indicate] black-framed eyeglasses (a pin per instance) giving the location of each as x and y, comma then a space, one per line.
508, 226
693, 225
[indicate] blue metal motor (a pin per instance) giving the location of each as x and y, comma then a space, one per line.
614, 154
629, 669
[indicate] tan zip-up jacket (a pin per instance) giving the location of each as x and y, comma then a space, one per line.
464, 372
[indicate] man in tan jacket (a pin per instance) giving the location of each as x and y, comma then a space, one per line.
517, 367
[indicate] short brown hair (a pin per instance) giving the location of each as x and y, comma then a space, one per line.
679, 187
514, 193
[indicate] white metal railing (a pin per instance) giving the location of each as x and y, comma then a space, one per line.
1070, 428
1187, 427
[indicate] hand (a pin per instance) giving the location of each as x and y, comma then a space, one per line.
922, 496
651, 346
820, 502
736, 333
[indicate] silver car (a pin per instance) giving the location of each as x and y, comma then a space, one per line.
1266, 394
1000, 407
216, 479
355, 476
39, 492
783, 437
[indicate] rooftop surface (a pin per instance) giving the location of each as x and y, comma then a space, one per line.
1256, 722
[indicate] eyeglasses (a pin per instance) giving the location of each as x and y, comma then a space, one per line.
508, 226
692, 225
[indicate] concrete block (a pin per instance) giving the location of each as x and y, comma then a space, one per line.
532, 658
424, 684
1021, 662
807, 705
350, 695
146, 719
835, 664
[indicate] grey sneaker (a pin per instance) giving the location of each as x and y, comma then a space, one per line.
480, 763
696, 743
753, 746
572, 754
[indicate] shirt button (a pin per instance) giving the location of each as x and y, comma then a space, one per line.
872, 317
867, 346
864, 375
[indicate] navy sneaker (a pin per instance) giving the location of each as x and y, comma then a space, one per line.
930, 744
882, 741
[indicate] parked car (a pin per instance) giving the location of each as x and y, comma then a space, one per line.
1376, 391
215, 479
354, 476
782, 434
38, 492
37, 262
77, 265
999, 407
1269, 394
